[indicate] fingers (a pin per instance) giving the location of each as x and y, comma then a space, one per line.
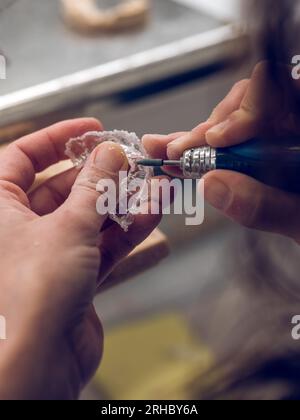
80, 208
174, 147
52, 193
115, 244
21, 160
235, 118
156, 145
255, 111
231, 102
253, 204
239, 117
240, 123
240, 126
195, 138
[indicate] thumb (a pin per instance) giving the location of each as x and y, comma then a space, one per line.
253, 204
79, 210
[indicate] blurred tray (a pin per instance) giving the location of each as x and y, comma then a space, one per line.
50, 66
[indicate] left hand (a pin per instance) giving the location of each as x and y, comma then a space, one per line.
54, 254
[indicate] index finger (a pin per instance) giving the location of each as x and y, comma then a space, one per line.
156, 145
31, 154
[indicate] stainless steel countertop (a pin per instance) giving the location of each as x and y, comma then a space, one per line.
50, 66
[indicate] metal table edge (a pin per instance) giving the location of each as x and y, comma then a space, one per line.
114, 76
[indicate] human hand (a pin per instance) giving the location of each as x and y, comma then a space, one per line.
53, 259
253, 108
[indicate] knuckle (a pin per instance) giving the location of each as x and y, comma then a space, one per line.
247, 109
86, 182
91, 176
84, 186
237, 116
241, 84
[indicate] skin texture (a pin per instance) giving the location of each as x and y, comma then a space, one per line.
54, 256
240, 116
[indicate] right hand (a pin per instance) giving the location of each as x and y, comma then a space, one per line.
243, 114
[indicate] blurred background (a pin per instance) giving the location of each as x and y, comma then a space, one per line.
212, 320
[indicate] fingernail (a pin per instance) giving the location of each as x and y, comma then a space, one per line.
217, 193
217, 130
110, 157
174, 149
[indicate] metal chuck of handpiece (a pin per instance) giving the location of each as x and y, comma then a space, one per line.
197, 162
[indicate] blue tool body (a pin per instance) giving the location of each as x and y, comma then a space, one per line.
276, 164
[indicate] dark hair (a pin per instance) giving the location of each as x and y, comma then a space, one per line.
277, 37
257, 357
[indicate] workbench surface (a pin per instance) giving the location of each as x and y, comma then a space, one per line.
49, 66
35, 39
